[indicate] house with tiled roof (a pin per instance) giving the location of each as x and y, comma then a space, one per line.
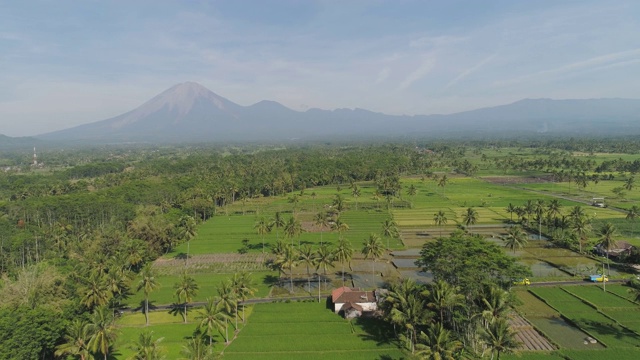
353, 302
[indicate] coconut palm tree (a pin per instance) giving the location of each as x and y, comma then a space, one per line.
146, 348
516, 238
227, 302
607, 233
322, 220
539, 209
438, 344
389, 229
76, 341
263, 228
293, 228
581, 226
355, 192
96, 292
374, 249
147, 284
277, 222
629, 183
500, 338
185, 290
287, 260
102, 329
496, 304
343, 253
211, 318
308, 258
511, 209
440, 219
442, 182
324, 259
197, 349
470, 216
243, 287
406, 308
340, 226
187, 232
633, 214
443, 298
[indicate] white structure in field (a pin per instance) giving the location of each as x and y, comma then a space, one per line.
353, 302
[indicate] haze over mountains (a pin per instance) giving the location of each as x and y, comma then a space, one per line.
189, 112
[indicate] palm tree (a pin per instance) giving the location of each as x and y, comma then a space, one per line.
440, 219
516, 238
629, 183
340, 226
389, 229
581, 226
288, 259
496, 304
197, 349
539, 209
607, 233
470, 216
211, 318
147, 284
102, 330
187, 231
243, 287
277, 222
96, 292
443, 298
343, 253
324, 259
442, 182
407, 309
186, 289
227, 302
633, 214
76, 341
438, 344
292, 229
263, 228
338, 203
499, 338
374, 249
307, 257
355, 192
321, 219
511, 209
146, 348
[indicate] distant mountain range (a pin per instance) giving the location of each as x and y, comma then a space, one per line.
189, 112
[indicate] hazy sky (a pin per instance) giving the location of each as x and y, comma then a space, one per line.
64, 63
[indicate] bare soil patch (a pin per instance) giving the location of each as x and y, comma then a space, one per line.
510, 180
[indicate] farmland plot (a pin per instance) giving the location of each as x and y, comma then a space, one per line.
310, 331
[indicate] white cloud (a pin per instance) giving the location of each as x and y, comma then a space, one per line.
424, 69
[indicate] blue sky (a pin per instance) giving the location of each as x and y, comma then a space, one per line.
65, 63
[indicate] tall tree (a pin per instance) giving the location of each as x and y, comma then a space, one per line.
146, 348
76, 341
188, 230
308, 258
389, 229
355, 192
470, 216
443, 298
440, 219
373, 249
102, 329
516, 238
277, 222
292, 229
500, 338
263, 228
147, 284
607, 242
511, 209
211, 318
324, 258
243, 287
185, 290
322, 220
632, 214
438, 344
288, 260
343, 253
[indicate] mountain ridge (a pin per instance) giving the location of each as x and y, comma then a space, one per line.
189, 112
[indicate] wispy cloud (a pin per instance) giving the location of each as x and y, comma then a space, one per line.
598, 62
470, 71
425, 68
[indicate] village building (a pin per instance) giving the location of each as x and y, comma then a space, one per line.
353, 302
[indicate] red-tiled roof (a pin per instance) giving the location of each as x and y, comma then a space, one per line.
335, 294
354, 296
